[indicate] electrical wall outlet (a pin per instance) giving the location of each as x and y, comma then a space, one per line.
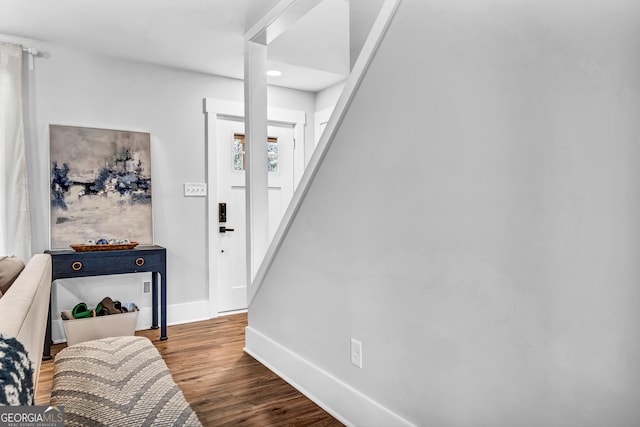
195, 189
356, 353
146, 287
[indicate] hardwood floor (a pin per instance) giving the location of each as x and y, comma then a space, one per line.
224, 385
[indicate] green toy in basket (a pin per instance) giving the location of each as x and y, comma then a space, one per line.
81, 311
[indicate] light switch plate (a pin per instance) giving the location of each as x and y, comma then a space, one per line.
195, 189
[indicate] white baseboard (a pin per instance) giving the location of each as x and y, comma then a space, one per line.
342, 401
188, 312
176, 315
232, 312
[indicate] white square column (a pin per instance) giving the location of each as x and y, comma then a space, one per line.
255, 93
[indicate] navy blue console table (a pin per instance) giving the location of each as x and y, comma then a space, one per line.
142, 259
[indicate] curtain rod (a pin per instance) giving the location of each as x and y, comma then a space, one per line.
31, 50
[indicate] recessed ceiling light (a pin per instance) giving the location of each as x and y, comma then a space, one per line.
274, 73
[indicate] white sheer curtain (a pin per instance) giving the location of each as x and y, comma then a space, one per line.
15, 228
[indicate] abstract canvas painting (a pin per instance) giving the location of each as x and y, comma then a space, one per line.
100, 185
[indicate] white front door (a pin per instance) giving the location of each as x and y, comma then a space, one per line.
232, 282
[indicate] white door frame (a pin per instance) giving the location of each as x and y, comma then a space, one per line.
215, 109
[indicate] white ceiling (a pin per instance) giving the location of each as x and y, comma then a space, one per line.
198, 35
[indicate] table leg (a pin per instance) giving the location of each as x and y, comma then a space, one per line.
154, 300
163, 306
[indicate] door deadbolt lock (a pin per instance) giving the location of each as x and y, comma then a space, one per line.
222, 212
224, 229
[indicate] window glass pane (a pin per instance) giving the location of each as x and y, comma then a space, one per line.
272, 155
237, 154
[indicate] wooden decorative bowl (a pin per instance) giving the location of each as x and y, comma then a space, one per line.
106, 247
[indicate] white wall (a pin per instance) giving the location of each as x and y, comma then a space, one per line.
327, 98
475, 224
362, 14
73, 87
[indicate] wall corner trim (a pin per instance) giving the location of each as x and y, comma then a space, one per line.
342, 401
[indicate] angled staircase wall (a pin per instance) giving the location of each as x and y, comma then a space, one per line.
473, 222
